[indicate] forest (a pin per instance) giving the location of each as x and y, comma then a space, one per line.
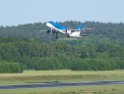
27, 47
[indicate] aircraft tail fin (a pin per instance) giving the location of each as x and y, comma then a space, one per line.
79, 27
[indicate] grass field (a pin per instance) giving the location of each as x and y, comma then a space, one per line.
114, 89
29, 77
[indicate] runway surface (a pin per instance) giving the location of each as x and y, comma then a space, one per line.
58, 84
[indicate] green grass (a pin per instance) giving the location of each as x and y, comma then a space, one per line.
29, 77
109, 89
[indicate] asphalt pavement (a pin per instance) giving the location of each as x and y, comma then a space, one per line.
58, 84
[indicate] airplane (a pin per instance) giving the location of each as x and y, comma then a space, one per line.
55, 28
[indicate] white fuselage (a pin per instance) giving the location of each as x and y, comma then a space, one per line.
75, 34
55, 26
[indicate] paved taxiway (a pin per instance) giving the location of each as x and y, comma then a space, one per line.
58, 84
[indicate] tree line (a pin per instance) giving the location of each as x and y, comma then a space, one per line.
28, 54
102, 50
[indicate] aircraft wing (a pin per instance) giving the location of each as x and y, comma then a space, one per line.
81, 29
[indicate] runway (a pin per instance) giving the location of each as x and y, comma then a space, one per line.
58, 84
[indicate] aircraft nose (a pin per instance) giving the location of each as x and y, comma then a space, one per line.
47, 24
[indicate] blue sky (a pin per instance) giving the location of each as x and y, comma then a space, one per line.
14, 12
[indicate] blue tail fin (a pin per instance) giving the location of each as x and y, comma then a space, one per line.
79, 27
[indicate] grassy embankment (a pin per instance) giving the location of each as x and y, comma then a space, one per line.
109, 89
29, 77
